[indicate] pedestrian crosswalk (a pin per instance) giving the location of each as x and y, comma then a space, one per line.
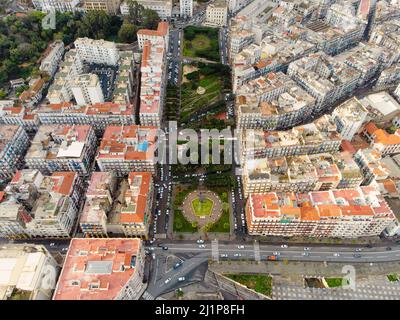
147, 296
215, 250
257, 256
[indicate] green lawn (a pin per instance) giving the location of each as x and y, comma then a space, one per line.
202, 208
201, 42
257, 282
392, 277
181, 224
334, 282
222, 224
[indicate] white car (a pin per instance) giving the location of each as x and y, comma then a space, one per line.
241, 247
224, 255
180, 279
200, 241
336, 254
284, 246
237, 255
168, 280
276, 253
154, 256
307, 249
52, 244
202, 246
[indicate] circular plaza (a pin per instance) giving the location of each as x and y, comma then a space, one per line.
202, 207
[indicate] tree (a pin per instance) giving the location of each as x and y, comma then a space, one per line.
151, 19
127, 32
3, 94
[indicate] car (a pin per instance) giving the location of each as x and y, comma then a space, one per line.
200, 241
165, 248
336, 254
64, 249
307, 249
168, 280
52, 244
241, 247
151, 248
284, 246
358, 249
202, 246
237, 255
153, 256
224, 255
180, 279
369, 245
306, 254
388, 248
276, 253
178, 264
357, 255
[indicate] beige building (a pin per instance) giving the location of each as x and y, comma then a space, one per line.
23, 271
86, 89
110, 6
217, 14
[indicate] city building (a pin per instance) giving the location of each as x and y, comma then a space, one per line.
162, 7
389, 76
98, 116
56, 5
52, 58
14, 143
154, 36
186, 8
33, 95
381, 140
86, 89
317, 137
350, 213
102, 269
349, 118
62, 148
324, 78
372, 168
351, 175
22, 270
397, 92
15, 114
152, 84
272, 102
382, 107
110, 6
97, 51
217, 13
124, 149
40, 206
118, 207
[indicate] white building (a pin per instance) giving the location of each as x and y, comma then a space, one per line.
52, 58
186, 8
162, 7
86, 89
161, 34
57, 5
97, 51
217, 14
13, 144
22, 270
349, 118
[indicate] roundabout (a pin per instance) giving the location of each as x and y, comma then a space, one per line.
202, 207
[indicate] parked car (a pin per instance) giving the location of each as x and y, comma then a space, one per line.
180, 279
168, 280
200, 241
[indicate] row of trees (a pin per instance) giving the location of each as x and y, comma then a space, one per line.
23, 40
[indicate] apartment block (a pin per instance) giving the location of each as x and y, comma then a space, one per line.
33, 95
371, 166
272, 102
52, 58
162, 7
86, 89
382, 107
154, 36
351, 175
22, 270
102, 269
97, 51
56, 5
99, 202
62, 148
389, 76
317, 137
324, 78
110, 6
186, 8
349, 118
217, 13
382, 141
98, 116
14, 143
152, 84
350, 213
18, 115
43, 206
128, 148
